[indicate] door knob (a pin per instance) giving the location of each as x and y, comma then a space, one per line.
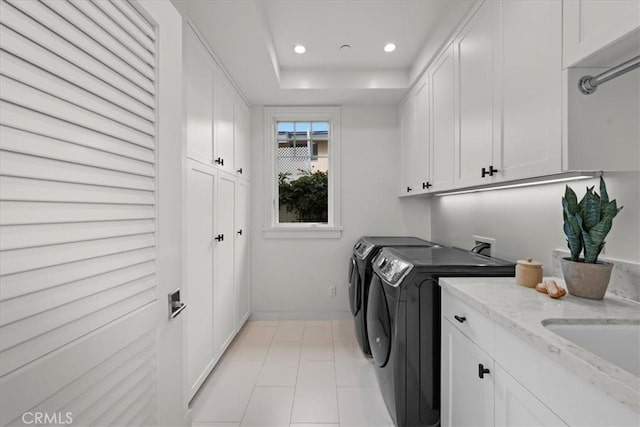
176, 306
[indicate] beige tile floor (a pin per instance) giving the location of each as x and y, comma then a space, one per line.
292, 374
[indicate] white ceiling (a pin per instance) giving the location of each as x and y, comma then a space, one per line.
254, 39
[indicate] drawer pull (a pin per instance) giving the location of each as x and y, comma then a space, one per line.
482, 370
460, 319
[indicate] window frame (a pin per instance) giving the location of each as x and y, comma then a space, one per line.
274, 229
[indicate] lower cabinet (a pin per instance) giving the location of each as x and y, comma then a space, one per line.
216, 287
467, 399
516, 406
476, 390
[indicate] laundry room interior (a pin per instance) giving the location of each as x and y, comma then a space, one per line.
346, 213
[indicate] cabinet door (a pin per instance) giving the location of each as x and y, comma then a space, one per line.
516, 406
467, 399
530, 51
419, 166
199, 78
198, 289
441, 81
407, 138
225, 95
242, 253
475, 55
242, 138
591, 25
223, 288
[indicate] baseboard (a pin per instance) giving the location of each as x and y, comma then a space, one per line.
301, 315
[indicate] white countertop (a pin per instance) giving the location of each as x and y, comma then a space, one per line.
521, 311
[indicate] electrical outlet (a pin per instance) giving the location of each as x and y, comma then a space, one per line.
332, 291
489, 240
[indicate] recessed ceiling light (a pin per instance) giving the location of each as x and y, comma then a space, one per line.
299, 48
389, 47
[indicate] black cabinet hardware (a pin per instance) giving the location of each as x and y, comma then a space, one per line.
409, 189
426, 185
219, 237
460, 319
239, 171
482, 370
219, 161
240, 232
489, 172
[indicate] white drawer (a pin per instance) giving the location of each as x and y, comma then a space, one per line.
476, 326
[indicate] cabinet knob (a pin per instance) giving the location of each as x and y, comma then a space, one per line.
482, 370
484, 172
409, 189
460, 319
239, 171
426, 185
219, 161
240, 232
219, 237
492, 170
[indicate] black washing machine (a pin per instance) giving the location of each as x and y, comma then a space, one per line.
403, 324
360, 272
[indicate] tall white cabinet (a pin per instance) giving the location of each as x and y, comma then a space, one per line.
216, 285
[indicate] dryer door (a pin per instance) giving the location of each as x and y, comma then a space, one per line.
354, 287
378, 322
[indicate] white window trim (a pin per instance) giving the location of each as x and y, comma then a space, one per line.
272, 229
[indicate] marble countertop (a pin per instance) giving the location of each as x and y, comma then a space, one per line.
521, 311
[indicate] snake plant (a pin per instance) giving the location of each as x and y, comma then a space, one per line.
587, 223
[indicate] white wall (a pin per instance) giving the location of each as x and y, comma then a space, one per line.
291, 277
527, 222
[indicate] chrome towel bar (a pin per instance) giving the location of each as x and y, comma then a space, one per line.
588, 84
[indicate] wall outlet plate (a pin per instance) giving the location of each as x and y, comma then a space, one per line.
489, 240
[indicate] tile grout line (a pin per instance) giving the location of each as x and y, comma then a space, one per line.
295, 385
244, 413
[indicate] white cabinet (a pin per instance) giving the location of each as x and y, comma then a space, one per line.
443, 120
523, 387
241, 260
475, 49
530, 89
516, 406
216, 286
406, 114
224, 122
467, 399
224, 295
510, 93
198, 288
242, 138
589, 26
414, 130
199, 81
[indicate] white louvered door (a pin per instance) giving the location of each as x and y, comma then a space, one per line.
85, 255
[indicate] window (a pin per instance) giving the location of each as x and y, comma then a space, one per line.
303, 146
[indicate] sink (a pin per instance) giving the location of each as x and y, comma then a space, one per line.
618, 343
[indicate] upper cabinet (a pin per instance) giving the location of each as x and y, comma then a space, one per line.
199, 79
414, 140
218, 122
224, 123
589, 26
443, 120
242, 138
529, 89
475, 49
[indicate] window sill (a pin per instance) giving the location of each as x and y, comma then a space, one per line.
303, 232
